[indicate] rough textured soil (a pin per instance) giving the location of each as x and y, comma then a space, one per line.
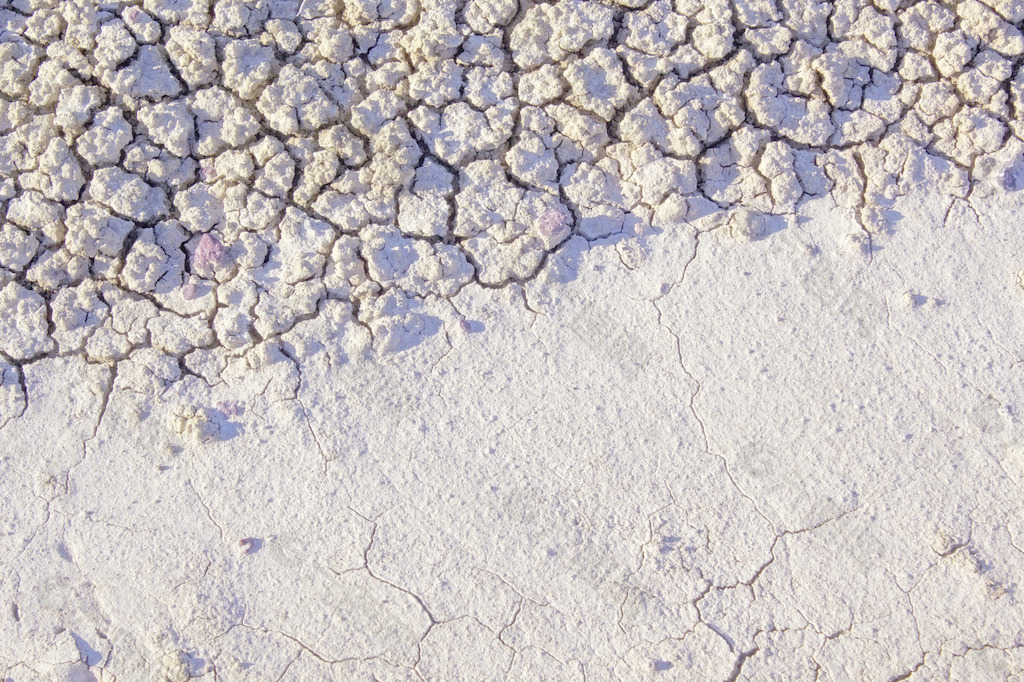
493, 340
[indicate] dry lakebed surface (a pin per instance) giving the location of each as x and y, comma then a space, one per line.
511, 340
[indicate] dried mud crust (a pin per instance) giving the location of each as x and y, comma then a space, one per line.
194, 179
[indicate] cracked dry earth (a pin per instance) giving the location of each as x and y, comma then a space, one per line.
500, 340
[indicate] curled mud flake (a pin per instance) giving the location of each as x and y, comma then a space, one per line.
209, 251
747, 225
198, 425
857, 243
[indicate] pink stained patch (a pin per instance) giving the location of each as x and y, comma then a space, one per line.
209, 251
230, 409
188, 291
550, 223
